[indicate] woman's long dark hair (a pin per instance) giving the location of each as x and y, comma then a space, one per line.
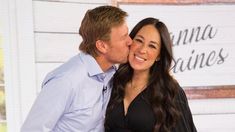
163, 88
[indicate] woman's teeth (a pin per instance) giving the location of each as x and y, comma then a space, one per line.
139, 58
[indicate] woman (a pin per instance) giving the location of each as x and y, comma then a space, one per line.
145, 97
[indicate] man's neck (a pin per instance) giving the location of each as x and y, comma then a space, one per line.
103, 63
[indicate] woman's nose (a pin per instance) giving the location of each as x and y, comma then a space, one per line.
143, 49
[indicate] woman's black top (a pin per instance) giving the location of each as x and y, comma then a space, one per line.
140, 116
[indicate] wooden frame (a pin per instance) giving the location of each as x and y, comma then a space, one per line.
199, 92
210, 92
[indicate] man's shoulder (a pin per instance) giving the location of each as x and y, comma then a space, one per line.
74, 64
73, 68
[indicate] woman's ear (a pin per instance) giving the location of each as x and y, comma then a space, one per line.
101, 46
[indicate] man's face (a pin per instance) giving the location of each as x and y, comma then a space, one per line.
118, 46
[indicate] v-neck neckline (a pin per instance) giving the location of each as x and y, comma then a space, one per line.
131, 103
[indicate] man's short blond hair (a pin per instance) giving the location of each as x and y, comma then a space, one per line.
97, 24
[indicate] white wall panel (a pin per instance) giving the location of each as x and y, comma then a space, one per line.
190, 15
56, 47
215, 123
58, 16
212, 106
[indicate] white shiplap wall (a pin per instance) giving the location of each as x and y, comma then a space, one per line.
56, 24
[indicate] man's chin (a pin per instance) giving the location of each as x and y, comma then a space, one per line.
124, 61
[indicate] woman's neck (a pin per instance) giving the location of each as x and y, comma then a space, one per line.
140, 79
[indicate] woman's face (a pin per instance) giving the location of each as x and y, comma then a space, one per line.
145, 49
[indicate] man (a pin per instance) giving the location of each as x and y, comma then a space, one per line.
75, 95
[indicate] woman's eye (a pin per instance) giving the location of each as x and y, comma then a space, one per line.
152, 46
139, 40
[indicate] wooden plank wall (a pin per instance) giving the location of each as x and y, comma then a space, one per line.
56, 23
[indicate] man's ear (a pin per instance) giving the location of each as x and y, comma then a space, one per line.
101, 46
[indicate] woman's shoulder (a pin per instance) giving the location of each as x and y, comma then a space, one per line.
186, 123
181, 95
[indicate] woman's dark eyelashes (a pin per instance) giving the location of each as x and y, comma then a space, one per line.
141, 41
152, 46
138, 40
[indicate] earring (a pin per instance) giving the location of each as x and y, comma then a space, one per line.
157, 59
